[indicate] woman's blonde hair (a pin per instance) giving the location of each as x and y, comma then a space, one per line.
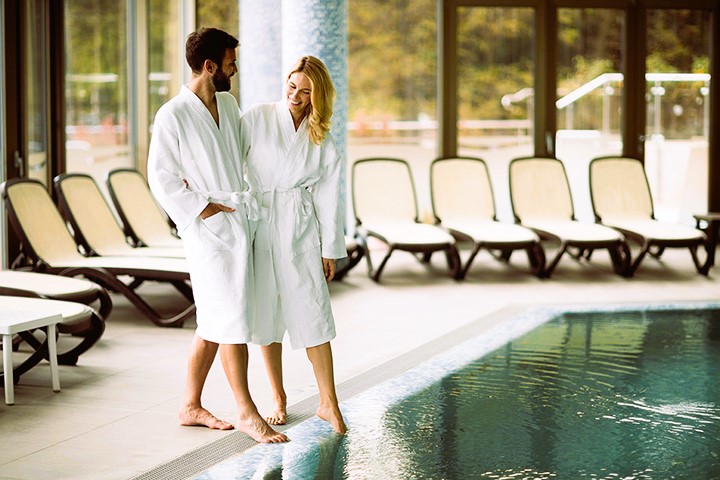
322, 96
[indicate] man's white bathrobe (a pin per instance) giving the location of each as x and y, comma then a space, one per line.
298, 185
188, 146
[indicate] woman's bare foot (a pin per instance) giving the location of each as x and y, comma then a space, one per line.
279, 416
258, 429
332, 415
198, 416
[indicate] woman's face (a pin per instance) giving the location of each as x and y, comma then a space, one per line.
298, 91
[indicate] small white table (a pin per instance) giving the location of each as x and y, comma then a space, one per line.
16, 321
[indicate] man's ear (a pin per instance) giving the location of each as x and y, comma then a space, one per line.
209, 66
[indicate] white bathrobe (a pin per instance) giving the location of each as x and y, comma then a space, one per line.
188, 146
298, 185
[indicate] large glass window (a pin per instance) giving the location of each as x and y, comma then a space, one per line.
96, 87
495, 82
222, 14
165, 49
589, 94
677, 95
36, 100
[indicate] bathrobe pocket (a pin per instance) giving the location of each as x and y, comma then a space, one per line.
306, 235
216, 233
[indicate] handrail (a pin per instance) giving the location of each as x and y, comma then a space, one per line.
598, 81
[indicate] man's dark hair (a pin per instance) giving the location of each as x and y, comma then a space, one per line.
207, 44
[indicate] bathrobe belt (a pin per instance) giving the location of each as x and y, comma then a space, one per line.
244, 198
301, 196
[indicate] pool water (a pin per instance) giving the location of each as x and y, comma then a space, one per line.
615, 394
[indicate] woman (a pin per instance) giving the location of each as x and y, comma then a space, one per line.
293, 165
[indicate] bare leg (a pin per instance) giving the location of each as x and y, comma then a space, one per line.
192, 413
321, 358
235, 363
272, 354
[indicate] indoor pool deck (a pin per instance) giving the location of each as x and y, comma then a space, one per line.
115, 417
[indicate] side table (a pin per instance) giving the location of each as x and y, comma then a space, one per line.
16, 321
712, 221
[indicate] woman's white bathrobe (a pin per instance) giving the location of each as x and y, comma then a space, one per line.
187, 145
298, 185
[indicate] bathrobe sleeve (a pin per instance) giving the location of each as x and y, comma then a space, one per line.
165, 173
326, 200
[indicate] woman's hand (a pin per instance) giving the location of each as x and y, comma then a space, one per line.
328, 268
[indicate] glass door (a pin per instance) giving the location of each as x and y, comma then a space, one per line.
589, 94
495, 90
37, 107
678, 111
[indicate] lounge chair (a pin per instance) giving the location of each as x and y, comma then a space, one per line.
75, 318
621, 199
47, 246
541, 200
94, 226
142, 218
463, 203
385, 208
80, 330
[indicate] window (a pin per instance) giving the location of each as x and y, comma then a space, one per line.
678, 114
97, 87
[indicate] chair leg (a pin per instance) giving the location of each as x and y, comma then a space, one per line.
376, 275
40, 352
657, 253
548, 271
90, 335
109, 281
536, 259
702, 268
640, 256
473, 254
620, 256
454, 263
353, 259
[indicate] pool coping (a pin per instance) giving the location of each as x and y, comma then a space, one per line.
449, 351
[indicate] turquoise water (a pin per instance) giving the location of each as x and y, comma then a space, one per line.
616, 394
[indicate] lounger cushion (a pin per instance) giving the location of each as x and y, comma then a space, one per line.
575, 231
44, 284
654, 230
408, 233
495, 232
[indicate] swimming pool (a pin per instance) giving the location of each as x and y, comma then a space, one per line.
612, 393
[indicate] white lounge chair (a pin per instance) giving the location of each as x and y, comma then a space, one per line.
47, 246
541, 201
94, 226
142, 218
385, 208
621, 199
464, 204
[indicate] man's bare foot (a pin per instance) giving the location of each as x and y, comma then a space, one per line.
332, 415
279, 416
198, 416
258, 429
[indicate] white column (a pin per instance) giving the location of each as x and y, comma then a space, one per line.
260, 52
319, 28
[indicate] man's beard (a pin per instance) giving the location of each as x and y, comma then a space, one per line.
221, 82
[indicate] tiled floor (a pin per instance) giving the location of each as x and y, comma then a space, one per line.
115, 417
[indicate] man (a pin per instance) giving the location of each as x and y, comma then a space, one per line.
194, 172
